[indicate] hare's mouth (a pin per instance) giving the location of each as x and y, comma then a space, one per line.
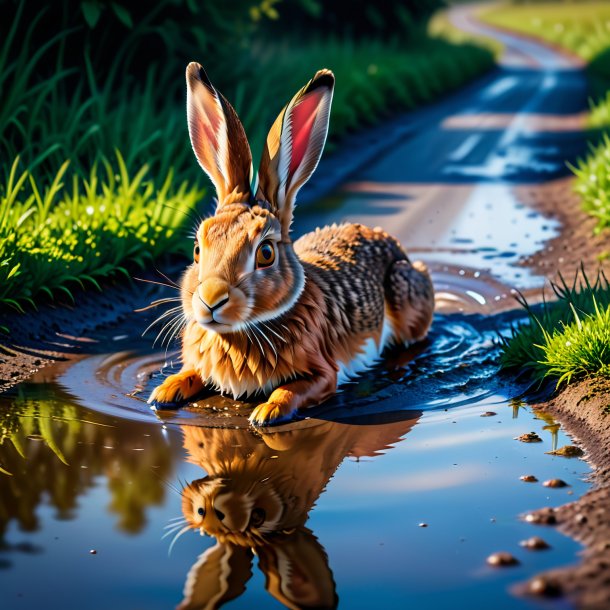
217, 327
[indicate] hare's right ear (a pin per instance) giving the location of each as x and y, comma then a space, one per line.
217, 137
220, 575
297, 571
295, 144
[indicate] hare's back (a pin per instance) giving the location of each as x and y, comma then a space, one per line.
350, 263
350, 247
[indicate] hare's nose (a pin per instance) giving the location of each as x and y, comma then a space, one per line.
214, 293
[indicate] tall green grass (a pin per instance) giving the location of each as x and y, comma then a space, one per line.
73, 231
565, 339
593, 182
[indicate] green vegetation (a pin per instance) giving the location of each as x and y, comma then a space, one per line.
565, 339
92, 125
593, 183
68, 234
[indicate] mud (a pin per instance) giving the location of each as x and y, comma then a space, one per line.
584, 412
576, 245
63, 331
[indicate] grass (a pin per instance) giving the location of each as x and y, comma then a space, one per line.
74, 232
73, 211
566, 339
593, 182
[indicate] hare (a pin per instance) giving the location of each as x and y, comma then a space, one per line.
255, 505
266, 316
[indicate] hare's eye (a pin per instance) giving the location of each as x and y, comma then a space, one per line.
258, 517
265, 255
196, 252
201, 511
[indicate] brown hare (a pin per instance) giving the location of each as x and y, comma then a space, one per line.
266, 316
255, 500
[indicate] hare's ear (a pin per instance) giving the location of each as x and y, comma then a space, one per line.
294, 145
220, 575
217, 137
297, 572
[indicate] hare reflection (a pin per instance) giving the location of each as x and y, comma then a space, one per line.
255, 500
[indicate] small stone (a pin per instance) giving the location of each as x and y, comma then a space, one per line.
422, 525
568, 451
529, 437
502, 559
488, 414
92, 552
555, 483
545, 587
535, 543
545, 516
581, 519
529, 478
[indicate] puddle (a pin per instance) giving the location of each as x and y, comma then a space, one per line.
483, 228
332, 504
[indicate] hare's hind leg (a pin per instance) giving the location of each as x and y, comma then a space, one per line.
177, 388
409, 298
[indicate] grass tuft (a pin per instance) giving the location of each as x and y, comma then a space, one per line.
565, 339
73, 231
593, 182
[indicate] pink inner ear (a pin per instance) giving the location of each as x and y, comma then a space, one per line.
303, 117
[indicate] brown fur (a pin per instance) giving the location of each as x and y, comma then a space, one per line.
285, 330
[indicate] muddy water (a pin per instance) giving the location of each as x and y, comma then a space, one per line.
342, 495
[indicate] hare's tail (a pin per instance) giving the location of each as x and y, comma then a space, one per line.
409, 296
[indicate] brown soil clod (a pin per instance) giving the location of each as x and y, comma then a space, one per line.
529, 437
544, 516
502, 559
535, 543
568, 451
555, 483
544, 587
528, 478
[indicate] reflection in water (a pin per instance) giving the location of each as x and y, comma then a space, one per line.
51, 452
255, 500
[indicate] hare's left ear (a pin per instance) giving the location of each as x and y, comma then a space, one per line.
294, 145
218, 137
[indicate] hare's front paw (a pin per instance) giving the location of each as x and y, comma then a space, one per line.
177, 388
271, 413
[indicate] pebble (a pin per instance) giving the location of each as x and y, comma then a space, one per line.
422, 525
488, 414
556, 483
92, 552
546, 516
529, 437
502, 559
529, 478
535, 543
545, 587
